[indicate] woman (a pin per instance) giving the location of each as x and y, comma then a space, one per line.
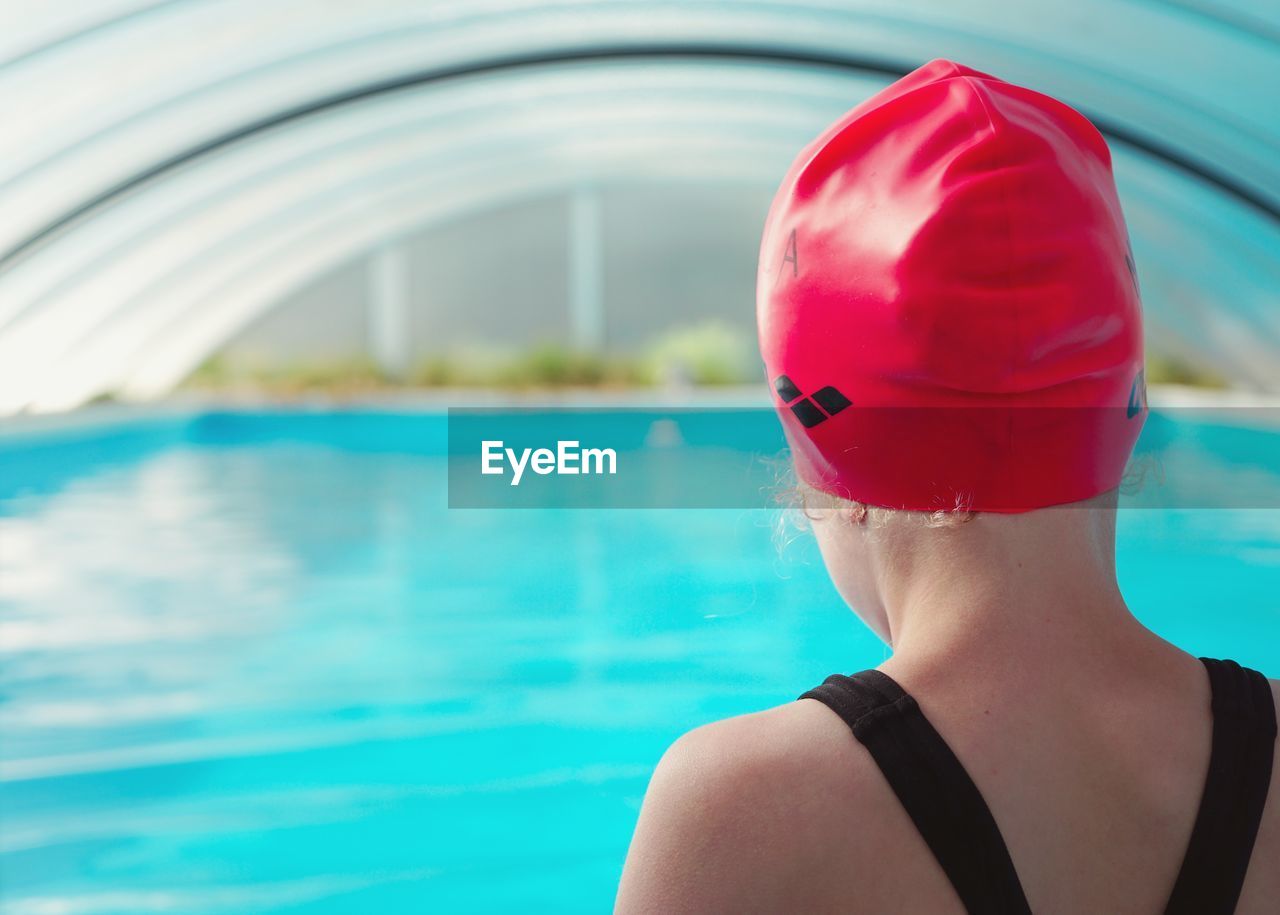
949, 315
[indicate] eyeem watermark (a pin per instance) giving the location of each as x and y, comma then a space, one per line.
733, 457
568, 459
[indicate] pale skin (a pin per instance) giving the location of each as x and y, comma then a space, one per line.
1086, 733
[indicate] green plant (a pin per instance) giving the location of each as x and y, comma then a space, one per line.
436, 372
710, 353
213, 372
547, 365
1166, 368
338, 375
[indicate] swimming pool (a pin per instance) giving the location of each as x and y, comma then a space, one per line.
253, 663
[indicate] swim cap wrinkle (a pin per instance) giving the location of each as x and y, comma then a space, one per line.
947, 303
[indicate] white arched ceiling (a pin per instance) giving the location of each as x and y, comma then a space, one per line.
353, 177
170, 170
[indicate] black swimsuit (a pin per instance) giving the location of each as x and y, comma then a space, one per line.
955, 821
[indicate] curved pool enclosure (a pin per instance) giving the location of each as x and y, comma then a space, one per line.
250, 661
161, 194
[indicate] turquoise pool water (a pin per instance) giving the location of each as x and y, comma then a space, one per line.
252, 663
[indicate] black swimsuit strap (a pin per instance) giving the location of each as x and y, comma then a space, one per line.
958, 827
932, 785
1235, 792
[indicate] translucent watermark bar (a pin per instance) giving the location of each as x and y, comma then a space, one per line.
736, 458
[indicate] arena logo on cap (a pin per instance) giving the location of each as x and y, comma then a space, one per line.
811, 411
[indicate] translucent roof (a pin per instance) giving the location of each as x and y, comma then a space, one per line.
171, 170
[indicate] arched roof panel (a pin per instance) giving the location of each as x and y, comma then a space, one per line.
163, 147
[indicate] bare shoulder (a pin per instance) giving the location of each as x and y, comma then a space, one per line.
758, 813
778, 766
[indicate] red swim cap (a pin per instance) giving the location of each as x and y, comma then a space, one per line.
947, 302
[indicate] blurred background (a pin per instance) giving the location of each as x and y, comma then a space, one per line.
323, 194
249, 659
